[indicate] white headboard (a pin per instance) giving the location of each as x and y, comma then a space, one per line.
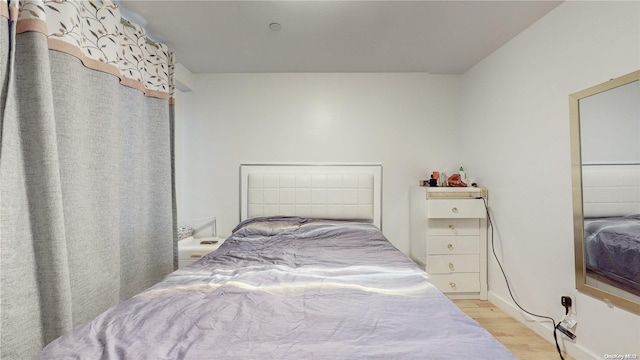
610, 190
348, 192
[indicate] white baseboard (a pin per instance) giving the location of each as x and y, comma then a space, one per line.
541, 327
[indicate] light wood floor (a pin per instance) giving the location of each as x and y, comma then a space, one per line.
519, 339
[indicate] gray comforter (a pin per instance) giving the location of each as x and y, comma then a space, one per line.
287, 288
613, 250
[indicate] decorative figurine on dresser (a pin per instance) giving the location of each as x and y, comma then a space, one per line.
449, 238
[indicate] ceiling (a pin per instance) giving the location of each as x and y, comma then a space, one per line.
438, 37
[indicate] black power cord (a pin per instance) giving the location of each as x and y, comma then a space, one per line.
493, 249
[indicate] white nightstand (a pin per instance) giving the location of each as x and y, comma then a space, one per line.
449, 238
191, 250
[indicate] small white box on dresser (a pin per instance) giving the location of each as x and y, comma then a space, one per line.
449, 238
192, 249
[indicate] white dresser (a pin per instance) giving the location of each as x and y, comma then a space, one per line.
449, 238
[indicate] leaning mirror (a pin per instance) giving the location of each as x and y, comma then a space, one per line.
605, 159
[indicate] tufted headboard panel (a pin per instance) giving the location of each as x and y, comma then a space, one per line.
345, 192
610, 190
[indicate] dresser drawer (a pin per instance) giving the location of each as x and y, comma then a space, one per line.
454, 227
455, 208
445, 264
456, 283
440, 245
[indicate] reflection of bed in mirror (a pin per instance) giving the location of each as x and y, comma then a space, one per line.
613, 251
611, 200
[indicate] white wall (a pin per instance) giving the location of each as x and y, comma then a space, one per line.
515, 121
406, 122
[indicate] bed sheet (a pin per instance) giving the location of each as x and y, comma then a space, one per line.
613, 250
288, 288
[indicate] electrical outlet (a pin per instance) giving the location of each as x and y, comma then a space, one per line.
574, 308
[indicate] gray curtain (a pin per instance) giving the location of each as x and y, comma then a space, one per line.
86, 190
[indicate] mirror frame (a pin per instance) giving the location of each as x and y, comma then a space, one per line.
576, 174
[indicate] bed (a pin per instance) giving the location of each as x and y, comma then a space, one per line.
612, 238
291, 286
612, 251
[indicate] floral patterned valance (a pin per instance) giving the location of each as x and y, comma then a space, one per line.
94, 32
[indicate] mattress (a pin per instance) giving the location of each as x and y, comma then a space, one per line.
612, 249
287, 288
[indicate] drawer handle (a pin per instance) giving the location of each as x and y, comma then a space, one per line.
454, 210
451, 267
450, 246
453, 229
453, 285
196, 256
